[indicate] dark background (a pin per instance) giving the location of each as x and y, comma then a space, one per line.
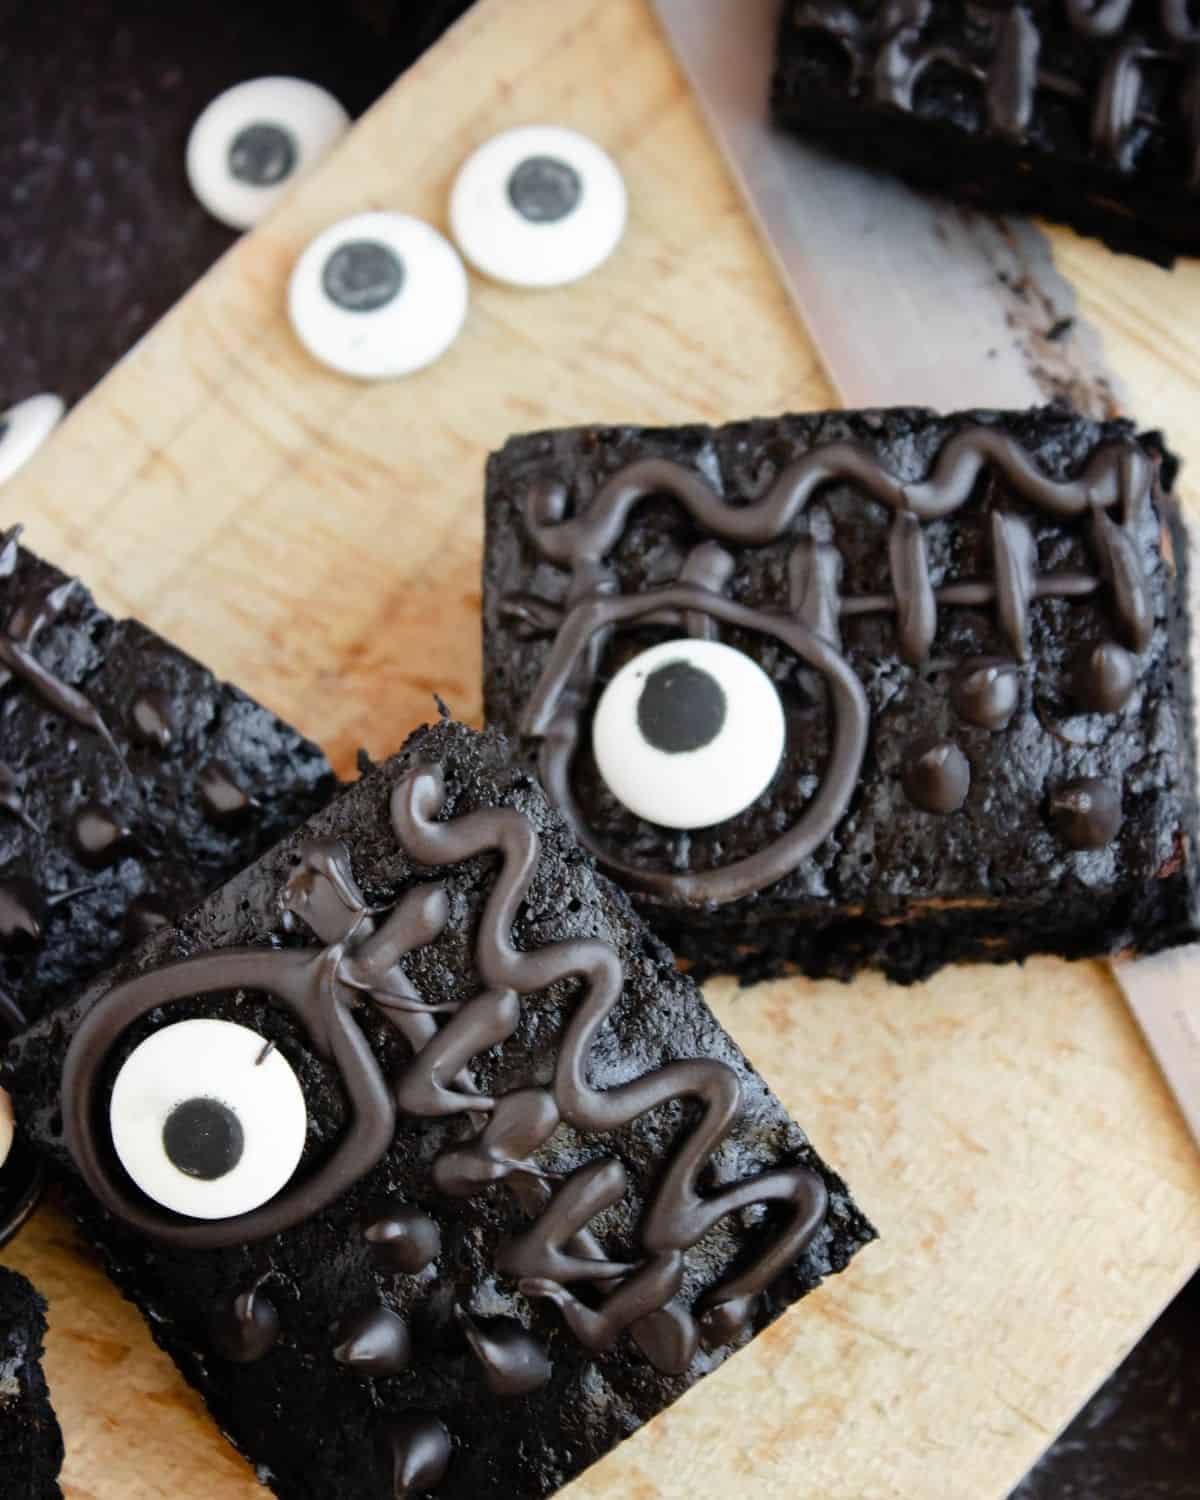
99, 235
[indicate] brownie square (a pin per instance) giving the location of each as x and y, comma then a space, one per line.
538, 1191
132, 782
1082, 112
31, 1447
975, 626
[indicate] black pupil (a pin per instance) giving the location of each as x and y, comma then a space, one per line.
362, 275
681, 708
544, 189
203, 1138
262, 154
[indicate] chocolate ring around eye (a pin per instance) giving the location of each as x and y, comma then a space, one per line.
553, 716
305, 983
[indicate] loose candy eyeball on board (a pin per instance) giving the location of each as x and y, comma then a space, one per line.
538, 206
689, 733
207, 1119
255, 140
24, 428
378, 295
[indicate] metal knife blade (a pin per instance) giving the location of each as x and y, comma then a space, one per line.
914, 302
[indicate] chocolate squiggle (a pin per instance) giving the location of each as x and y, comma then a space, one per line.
319, 986
544, 1258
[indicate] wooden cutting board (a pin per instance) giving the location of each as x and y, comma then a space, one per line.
319, 542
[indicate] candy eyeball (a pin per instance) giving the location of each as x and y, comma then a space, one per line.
208, 1119
538, 206
689, 733
256, 139
378, 295
23, 430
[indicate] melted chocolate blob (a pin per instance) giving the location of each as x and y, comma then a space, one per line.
362, 276
1104, 679
986, 691
937, 777
244, 1328
512, 1360
224, 800
22, 922
680, 708
669, 1338
405, 1240
1086, 813
262, 154
203, 1138
152, 719
99, 835
375, 1342
418, 1452
544, 189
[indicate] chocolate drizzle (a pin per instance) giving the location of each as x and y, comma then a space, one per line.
321, 985
546, 1259
891, 47
1111, 489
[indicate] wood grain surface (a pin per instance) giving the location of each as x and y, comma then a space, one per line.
319, 541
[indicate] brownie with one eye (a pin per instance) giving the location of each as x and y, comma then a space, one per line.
857, 688
423, 1160
31, 1446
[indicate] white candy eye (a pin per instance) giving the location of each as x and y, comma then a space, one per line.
378, 295
688, 733
23, 430
253, 141
538, 206
207, 1119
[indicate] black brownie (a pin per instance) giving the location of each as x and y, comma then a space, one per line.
542, 1191
31, 1447
132, 782
976, 627
1083, 112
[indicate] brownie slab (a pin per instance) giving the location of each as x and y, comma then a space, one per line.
975, 626
1082, 112
537, 1191
31, 1447
132, 782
